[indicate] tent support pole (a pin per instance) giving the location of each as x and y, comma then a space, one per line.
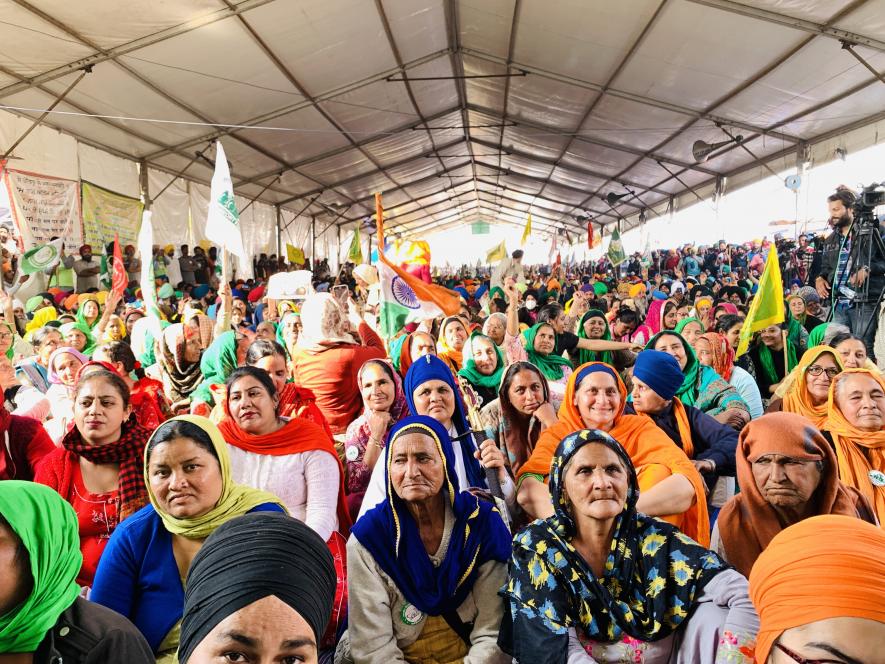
35, 123
338, 255
279, 233
313, 242
143, 184
266, 187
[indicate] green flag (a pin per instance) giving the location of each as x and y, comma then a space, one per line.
767, 307
355, 253
43, 257
616, 248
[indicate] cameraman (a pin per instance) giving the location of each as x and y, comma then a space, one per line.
844, 271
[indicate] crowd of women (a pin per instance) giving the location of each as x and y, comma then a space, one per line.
573, 469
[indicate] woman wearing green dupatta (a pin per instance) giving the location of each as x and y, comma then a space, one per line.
595, 343
768, 356
88, 311
39, 599
218, 362
702, 387
78, 336
484, 367
690, 329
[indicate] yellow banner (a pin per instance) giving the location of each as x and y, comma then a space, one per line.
295, 254
106, 213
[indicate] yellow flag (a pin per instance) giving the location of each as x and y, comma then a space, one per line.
497, 253
294, 254
527, 231
767, 307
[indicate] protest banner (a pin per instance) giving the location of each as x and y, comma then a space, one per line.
45, 207
106, 213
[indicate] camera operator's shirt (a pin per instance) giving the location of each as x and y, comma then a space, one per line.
842, 272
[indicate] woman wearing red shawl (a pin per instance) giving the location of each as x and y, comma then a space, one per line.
408, 348
145, 394
787, 472
713, 350
670, 486
292, 458
98, 468
384, 405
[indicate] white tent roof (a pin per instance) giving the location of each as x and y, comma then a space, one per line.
458, 110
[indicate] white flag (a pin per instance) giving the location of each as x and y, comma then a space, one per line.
223, 224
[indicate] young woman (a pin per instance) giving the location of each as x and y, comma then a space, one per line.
149, 403
98, 468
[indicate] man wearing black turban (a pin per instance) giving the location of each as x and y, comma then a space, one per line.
262, 585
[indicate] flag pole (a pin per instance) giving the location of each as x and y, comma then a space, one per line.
786, 354
225, 273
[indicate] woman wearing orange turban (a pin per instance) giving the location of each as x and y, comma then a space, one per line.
670, 486
818, 589
856, 423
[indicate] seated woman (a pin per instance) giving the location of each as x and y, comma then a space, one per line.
729, 326
595, 399
713, 350
594, 326
690, 329
661, 315
78, 337
385, 405
64, 367
702, 388
295, 401
428, 561
709, 444
32, 372
288, 331
292, 458
453, 335
856, 425
230, 594
146, 394
806, 388
40, 602
818, 591
88, 310
799, 314
430, 390
178, 354
600, 582
218, 361
98, 468
767, 355
852, 351
142, 571
483, 367
406, 349
495, 327
520, 413
787, 472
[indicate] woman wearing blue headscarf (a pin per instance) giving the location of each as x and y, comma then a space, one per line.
431, 390
428, 560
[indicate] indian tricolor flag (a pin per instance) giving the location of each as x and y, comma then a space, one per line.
404, 297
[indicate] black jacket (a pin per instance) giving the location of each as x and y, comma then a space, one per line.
88, 633
860, 256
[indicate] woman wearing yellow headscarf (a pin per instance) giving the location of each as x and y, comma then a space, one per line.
142, 571
856, 423
806, 388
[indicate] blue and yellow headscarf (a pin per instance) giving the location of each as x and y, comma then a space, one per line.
653, 575
390, 534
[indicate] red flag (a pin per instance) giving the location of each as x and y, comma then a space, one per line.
120, 279
589, 234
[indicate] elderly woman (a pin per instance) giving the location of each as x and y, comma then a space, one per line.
713, 350
852, 351
33, 372
453, 335
78, 336
856, 424
64, 366
806, 389
328, 358
98, 468
406, 349
702, 388
690, 329
818, 591
428, 561
288, 330
40, 603
431, 390
384, 405
599, 582
495, 327
240, 607
787, 472
218, 361
188, 478
483, 368
596, 398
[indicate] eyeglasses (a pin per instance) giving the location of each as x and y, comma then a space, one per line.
803, 660
817, 370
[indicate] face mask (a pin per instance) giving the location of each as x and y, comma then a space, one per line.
530, 304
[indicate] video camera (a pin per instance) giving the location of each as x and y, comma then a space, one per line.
870, 197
